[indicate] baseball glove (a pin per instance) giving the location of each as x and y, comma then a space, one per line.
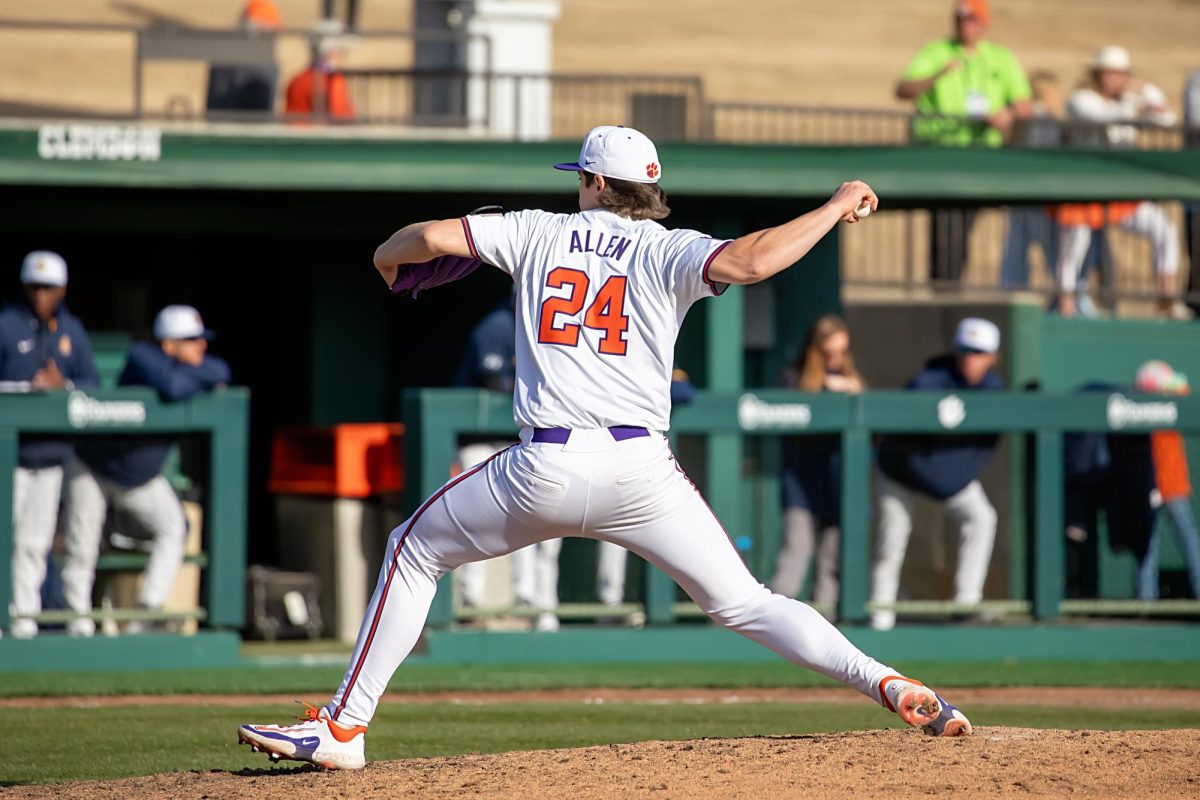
412, 279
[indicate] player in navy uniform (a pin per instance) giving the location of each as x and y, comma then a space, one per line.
43, 347
126, 472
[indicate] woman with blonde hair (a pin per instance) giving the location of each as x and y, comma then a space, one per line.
811, 482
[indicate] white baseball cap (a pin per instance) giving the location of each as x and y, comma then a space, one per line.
44, 268
978, 335
180, 322
1113, 58
615, 151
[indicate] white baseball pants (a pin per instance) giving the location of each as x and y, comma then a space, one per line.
976, 519
631, 493
1148, 220
154, 505
534, 568
35, 516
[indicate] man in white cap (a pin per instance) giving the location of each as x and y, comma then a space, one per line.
600, 296
943, 468
1108, 112
126, 472
43, 347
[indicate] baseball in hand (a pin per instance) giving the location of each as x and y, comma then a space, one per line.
862, 210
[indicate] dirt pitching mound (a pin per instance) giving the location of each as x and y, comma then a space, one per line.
892, 764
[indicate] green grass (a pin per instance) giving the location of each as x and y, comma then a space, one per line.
137, 740
322, 680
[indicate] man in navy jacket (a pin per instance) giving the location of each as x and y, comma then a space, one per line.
126, 472
43, 347
945, 469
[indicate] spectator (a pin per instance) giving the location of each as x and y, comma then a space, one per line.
967, 91
1033, 224
490, 363
126, 472
944, 469
1191, 139
247, 87
43, 347
811, 485
1173, 492
321, 91
1106, 113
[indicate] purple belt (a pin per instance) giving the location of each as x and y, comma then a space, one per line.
560, 435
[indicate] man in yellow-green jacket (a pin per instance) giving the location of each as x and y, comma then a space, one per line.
967, 92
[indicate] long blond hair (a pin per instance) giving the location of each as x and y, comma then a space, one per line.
809, 366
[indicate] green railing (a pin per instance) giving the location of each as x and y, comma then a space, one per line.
435, 418
223, 415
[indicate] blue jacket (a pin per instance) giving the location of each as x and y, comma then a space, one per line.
939, 466
812, 476
25, 346
490, 361
132, 461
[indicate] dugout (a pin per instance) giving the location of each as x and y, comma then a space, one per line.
271, 234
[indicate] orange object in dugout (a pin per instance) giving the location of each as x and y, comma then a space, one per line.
347, 460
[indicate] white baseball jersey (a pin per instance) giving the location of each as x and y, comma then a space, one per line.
600, 299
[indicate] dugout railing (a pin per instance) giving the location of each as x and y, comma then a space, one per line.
221, 417
436, 418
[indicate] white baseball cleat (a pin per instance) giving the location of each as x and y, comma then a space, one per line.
23, 629
923, 708
316, 739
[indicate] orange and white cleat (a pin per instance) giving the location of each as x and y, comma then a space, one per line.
316, 739
923, 708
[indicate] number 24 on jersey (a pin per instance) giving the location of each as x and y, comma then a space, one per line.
606, 312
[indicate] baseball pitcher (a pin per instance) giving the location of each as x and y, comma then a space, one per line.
600, 296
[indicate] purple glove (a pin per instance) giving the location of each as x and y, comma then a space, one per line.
415, 278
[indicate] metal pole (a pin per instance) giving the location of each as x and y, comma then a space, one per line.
1048, 546
229, 443
137, 75
856, 504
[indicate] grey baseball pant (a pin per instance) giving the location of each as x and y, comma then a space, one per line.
35, 516
155, 507
976, 519
801, 538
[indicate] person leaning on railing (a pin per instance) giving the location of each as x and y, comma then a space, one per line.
811, 485
1107, 112
945, 469
43, 347
126, 472
967, 91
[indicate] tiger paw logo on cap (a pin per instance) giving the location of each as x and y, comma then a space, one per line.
652, 170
